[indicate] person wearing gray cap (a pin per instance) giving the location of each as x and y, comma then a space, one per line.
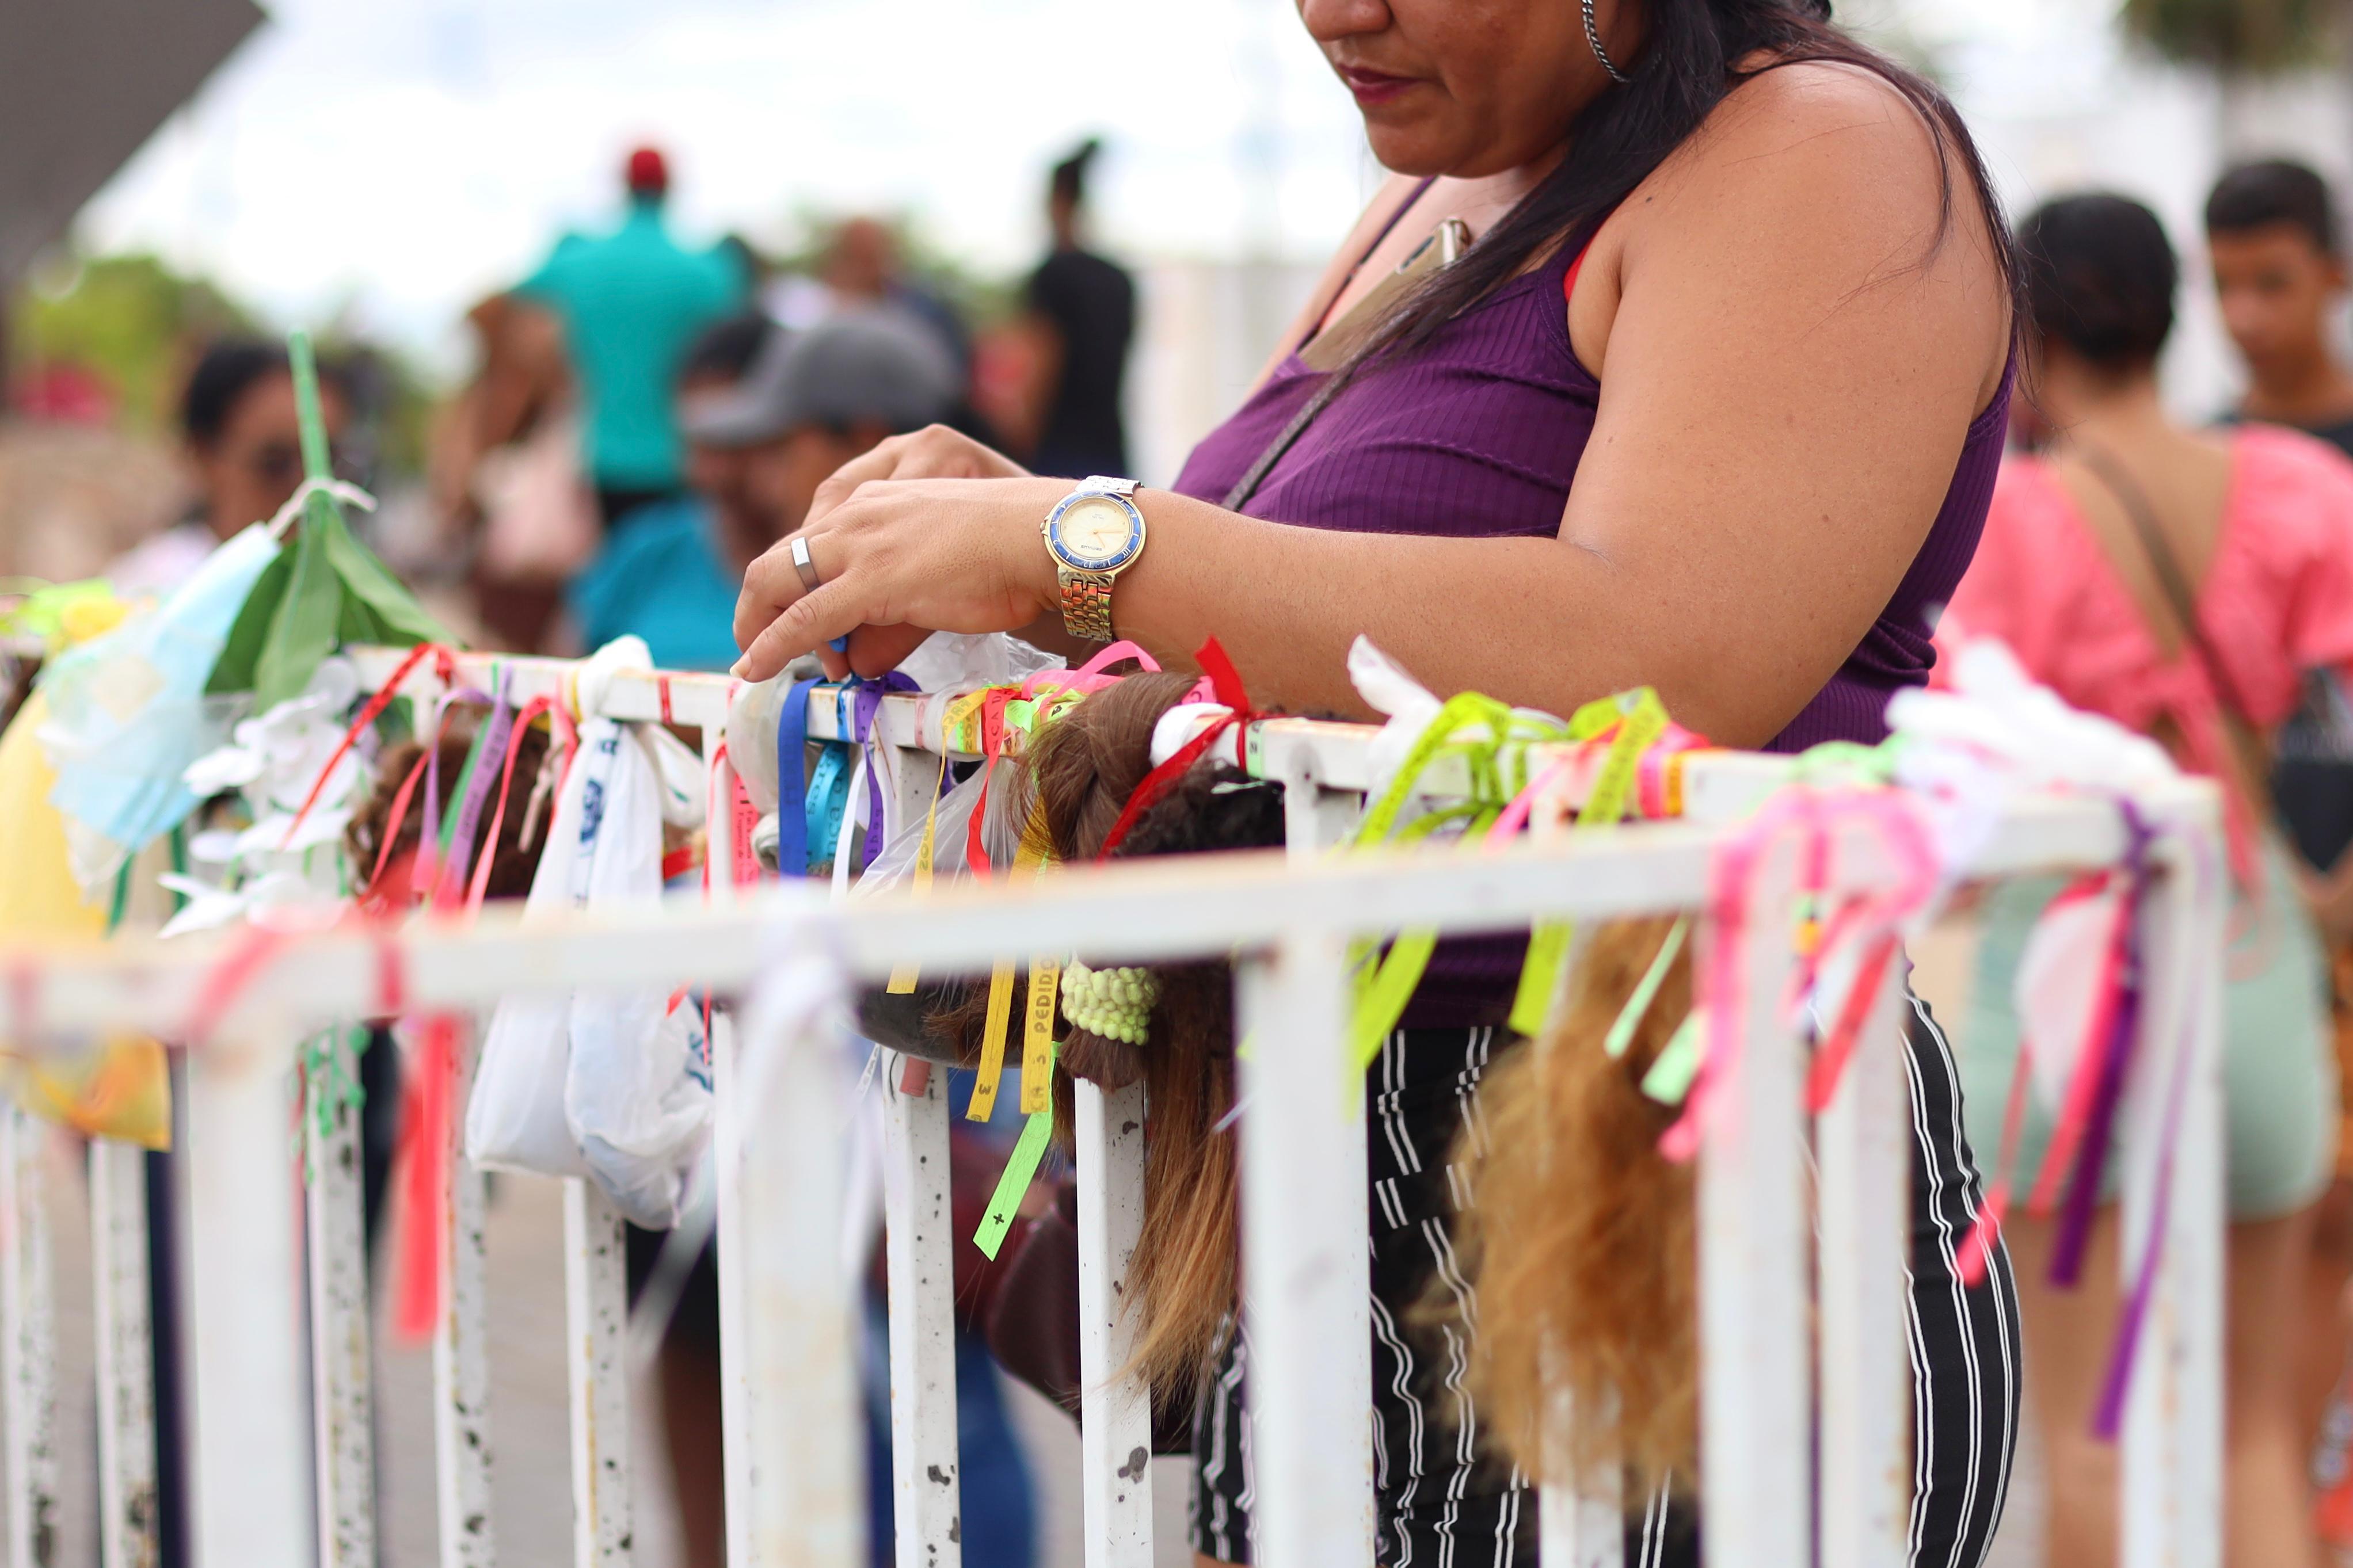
815, 399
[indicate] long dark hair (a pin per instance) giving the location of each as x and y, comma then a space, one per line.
1688, 63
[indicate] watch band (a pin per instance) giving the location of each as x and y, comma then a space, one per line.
1086, 605
1086, 595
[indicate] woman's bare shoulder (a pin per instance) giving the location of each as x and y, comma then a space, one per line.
1830, 183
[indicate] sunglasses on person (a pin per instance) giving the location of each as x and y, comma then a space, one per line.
280, 463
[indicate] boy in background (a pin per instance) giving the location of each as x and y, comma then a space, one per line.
2271, 233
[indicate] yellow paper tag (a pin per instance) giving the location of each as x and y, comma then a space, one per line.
903, 978
992, 1043
1037, 1037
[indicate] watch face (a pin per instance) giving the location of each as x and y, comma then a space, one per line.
1096, 533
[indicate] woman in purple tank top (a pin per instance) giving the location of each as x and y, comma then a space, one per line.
1712, 402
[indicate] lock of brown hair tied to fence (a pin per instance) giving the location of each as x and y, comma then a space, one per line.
1581, 1239
1075, 779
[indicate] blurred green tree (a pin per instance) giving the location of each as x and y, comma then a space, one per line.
2235, 37
129, 320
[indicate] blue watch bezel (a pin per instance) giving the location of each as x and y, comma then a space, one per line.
1063, 553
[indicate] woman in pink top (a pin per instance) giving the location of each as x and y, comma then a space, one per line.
2259, 522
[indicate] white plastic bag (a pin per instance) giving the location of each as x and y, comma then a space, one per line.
611, 1086
515, 1119
637, 1094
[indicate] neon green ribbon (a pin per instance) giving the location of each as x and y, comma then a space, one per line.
1014, 1184
1670, 1078
1640, 719
1630, 1018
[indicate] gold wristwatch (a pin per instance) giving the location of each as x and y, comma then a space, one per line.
1095, 533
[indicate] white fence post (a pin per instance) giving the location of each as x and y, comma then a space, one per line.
29, 1350
808, 1463
125, 1350
1305, 1270
735, 1429
1114, 1409
343, 1431
1863, 1146
2172, 1491
1757, 1484
920, 1248
461, 1358
596, 1302
251, 1459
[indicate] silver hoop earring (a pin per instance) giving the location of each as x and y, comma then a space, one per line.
1593, 37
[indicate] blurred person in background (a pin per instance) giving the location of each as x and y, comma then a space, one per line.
1083, 310
2072, 572
817, 399
864, 267
631, 301
667, 571
2279, 275
2279, 272
243, 447
504, 473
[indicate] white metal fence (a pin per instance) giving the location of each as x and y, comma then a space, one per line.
1789, 1333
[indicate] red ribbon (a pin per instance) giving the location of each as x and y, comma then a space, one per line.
250, 953
393, 820
992, 746
425, 1216
445, 665
1830, 1061
1227, 682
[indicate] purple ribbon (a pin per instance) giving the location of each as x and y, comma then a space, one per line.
2115, 1065
478, 788
863, 707
2109, 1418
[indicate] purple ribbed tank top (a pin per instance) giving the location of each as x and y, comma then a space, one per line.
1479, 435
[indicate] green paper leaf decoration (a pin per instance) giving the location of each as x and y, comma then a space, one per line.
302, 629
234, 671
326, 589
401, 620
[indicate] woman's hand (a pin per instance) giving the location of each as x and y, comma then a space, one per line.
934, 452
899, 558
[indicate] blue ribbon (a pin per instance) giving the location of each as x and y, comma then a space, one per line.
810, 802
792, 777
828, 790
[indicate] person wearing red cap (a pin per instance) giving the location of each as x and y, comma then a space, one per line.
632, 302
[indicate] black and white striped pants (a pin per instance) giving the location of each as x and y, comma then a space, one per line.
1441, 1505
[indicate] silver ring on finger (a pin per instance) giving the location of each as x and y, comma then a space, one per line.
803, 565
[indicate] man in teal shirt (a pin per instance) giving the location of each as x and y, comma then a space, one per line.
631, 302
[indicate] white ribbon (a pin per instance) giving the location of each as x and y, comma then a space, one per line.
350, 493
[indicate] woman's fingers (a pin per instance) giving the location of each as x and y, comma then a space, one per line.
808, 621
881, 463
934, 452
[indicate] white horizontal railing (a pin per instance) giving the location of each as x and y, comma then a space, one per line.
792, 1484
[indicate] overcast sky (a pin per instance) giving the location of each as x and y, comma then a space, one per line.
397, 160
